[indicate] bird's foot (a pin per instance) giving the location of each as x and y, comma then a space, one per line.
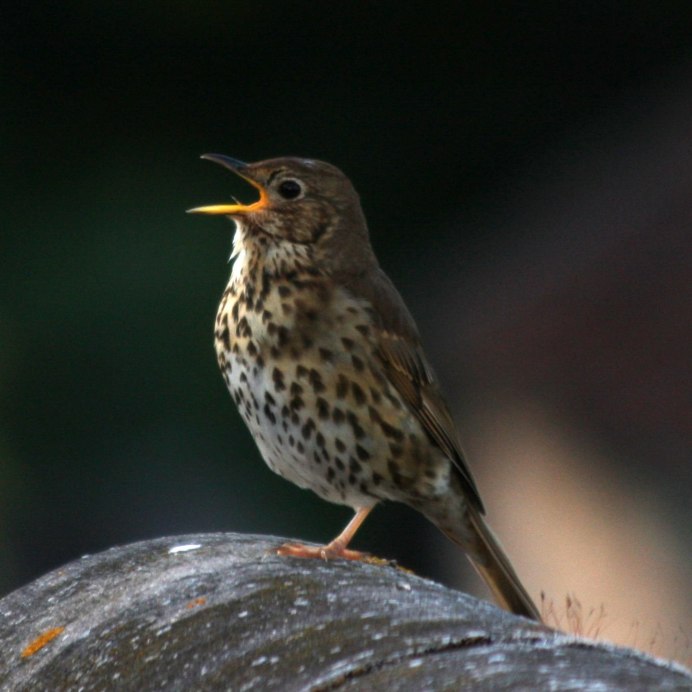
331, 551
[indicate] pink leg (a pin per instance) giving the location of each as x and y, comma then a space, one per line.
335, 549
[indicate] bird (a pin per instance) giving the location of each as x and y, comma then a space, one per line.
325, 364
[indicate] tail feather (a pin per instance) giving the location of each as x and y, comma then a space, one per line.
463, 523
491, 562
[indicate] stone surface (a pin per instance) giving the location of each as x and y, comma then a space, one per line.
221, 611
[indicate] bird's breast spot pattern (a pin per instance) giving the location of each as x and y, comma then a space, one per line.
324, 364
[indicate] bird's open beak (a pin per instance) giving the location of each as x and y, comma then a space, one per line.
239, 168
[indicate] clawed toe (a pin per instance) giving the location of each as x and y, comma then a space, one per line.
330, 551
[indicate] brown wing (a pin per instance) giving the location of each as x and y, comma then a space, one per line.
408, 370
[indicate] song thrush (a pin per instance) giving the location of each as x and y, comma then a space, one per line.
324, 362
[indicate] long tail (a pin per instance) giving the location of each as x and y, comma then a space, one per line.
494, 566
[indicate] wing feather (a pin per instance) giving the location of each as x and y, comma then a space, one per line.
406, 367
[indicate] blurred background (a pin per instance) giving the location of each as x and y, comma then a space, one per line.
526, 169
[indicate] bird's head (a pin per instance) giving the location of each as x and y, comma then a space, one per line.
301, 202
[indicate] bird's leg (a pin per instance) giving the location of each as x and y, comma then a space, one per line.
335, 549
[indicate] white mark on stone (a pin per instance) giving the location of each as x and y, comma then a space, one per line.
184, 548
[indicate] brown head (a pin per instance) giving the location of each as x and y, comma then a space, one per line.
302, 202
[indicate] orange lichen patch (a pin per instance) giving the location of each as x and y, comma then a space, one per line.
41, 641
197, 602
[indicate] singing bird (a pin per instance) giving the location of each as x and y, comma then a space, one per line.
325, 365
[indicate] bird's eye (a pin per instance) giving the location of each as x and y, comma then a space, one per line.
290, 189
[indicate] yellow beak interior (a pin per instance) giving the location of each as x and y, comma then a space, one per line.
231, 209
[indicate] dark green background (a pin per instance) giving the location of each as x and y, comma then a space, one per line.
114, 422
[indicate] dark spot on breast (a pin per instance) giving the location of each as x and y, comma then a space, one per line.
296, 403
269, 414
234, 312
341, 387
330, 474
296, 389
284, 290
362, 453
363, 329
378, 375
316, 381
358, 393
319, 439
301, 371
374, 414
395, 450
221, 313
266, 284
269, 398
252, 349
267, 315
322, 408
394, 401
393, 469
355, 425
357, 363
376, 478
225, 336
348, 343
354, 466
283, 335
243, 328
339, 464
391, 431
325, 354
300, 447
338, 416
278, 378
307, 429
